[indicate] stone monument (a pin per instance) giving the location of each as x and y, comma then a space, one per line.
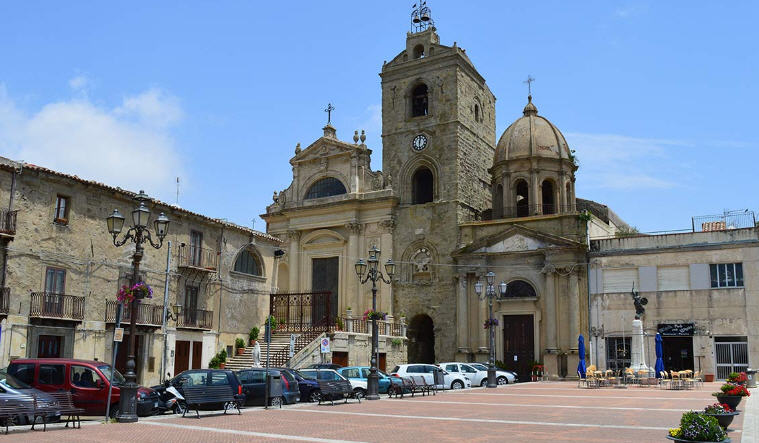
637, 351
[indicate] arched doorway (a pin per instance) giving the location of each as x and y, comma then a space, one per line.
421, 343
422, 186
549, 206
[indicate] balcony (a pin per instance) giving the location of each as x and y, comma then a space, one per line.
8, 222
197, 258
57, 306
194, 318
5, 298
147, 314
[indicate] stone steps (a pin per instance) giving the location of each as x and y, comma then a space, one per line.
279, 342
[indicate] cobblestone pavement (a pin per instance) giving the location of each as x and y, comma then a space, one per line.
534, 412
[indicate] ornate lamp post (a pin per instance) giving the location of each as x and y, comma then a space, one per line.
139, 234
374, 274
490, 293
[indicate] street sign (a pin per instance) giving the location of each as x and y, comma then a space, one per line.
292, 345
325, 345
118, 334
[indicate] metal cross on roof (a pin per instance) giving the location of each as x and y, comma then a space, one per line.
329, 110
529, 81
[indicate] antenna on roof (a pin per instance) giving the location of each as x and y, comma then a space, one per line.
177, 191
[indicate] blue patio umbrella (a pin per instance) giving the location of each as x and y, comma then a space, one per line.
581, 368
659, 353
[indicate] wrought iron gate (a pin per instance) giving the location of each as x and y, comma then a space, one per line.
731, 357
302, 311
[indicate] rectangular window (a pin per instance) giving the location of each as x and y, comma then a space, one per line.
52, 374
726, 275
620, 280
196, 248
618, 352
61, 210
23, 372
673, 278
55, 280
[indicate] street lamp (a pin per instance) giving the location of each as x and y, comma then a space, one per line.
490, 293
138, 234
374, 274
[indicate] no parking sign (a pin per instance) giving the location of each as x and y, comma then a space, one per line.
325, 345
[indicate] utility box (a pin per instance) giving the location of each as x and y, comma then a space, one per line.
275, 387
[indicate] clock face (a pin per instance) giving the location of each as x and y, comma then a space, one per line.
419, 143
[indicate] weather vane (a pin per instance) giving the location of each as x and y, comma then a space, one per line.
529, 81
329, 110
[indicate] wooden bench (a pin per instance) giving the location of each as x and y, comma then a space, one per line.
67, 408
421, 386
407, 386
11, 408
332, 390
196, 396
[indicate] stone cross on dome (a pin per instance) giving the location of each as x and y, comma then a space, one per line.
529, 81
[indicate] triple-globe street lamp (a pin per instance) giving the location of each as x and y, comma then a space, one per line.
138, 234
374, 274
490, 294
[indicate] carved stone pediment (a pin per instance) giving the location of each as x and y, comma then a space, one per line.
323, 149
517, 239
515, 243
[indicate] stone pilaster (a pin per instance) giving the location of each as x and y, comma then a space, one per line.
462, 313
353, 285
294, 254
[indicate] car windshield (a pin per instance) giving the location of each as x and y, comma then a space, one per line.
12, 382
117, 379
297, 374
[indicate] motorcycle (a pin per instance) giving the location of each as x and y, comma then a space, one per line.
170, 399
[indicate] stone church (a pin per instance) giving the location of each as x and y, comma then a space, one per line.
449, 205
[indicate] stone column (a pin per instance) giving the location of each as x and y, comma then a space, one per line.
509, 205
353, 290
462, 313
535, 194
562, 205
574, 310
386, 245
294, 253
550, 302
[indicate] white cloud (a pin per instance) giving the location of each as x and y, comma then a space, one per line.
130, 146
79, 83
621, 162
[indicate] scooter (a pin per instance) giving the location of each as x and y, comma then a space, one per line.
170, 399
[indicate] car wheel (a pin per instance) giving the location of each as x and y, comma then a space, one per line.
114, 413
276, 402
359, 392
314, 396
484, 382
457, 384
503, 380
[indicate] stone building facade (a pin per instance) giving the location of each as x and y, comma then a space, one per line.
61, 273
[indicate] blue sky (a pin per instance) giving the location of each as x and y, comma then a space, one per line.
657, 98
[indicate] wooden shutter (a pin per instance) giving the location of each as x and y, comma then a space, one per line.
620, 280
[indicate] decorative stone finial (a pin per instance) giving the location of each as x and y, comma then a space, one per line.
330, 131
530, 108
297, 149
355, 136
363, 136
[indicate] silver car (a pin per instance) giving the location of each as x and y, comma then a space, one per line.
13, 388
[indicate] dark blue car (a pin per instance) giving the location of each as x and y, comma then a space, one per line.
309, 388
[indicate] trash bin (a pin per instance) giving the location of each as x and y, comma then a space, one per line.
439, 378
275, 388
751, 376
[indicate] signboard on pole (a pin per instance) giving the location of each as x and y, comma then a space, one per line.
118, 335
292, 345
325, 345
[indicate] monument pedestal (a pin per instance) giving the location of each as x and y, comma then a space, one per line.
637, 351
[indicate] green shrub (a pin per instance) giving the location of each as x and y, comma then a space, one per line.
339, 323
272, 323
222, 356
253, 334
239, 343
698, 427
214, 363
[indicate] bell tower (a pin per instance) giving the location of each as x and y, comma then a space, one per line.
438, 135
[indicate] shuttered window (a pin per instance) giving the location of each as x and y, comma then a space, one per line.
620, 280
673, 278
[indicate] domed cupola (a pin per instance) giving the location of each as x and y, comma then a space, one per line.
533, 169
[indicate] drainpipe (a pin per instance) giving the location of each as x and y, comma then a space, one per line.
221, 286
587, 269
165, 310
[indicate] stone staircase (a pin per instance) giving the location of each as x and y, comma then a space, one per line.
280, 343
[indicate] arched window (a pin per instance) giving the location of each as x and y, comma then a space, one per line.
519, 288
522, 199
422, 186
549, 204
326, 187
476, 112
247, 263
419, 101
419, 51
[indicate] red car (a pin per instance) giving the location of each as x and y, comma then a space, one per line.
87, 380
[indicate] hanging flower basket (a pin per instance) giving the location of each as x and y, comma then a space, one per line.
137, 292
492, 322
374, 315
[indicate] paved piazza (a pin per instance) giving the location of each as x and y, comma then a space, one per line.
548, 411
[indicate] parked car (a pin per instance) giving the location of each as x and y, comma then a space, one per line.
324, 366
450, 381
254, 386
502, 377
209, 377
309, 388
361, 373
12, 388
359, 386
87, 380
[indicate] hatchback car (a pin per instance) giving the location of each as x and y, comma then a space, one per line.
502, 377
359, 386
309, 388
254, 386
87, 380
478, 377
361, 373
450, 381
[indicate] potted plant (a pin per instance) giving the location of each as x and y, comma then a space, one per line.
371, 314
722, 412
731, 394
222, 356
214, 363
339, 324
708, 378
349, 312
253, 335
737, 378
240, 346
698, 427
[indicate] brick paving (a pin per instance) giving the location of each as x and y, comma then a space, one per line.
548, 411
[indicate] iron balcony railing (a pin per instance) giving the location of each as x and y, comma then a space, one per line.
59, 306
302, 311
725, 221
194, 318
361, 326
5, 298
189, 256
8, 222
147, 314
539, 209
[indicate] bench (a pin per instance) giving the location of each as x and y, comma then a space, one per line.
421, 386
336, 389
196, 396
398, 391
11, 408
67, 408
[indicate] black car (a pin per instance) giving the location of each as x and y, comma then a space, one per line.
324, 366
309, 388
254, 386
209, 377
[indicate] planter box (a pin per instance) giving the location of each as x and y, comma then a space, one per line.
679, 440
731, 400
723, 419
708, 378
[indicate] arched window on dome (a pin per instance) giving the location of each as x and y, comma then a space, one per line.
419, 101
522, 199
419, 51
248, 263
326, 187
519, 288
422, 186
549, 200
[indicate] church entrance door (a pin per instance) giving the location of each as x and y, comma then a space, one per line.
324, 278
421, 343
519, 344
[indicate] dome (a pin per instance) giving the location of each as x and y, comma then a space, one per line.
531, 136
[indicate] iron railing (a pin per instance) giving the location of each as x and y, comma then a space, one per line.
194, 318
60, 306
147, 314
5, 298
727, 220
538, 209
190, 256
361, 326
8, 221
302, 311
